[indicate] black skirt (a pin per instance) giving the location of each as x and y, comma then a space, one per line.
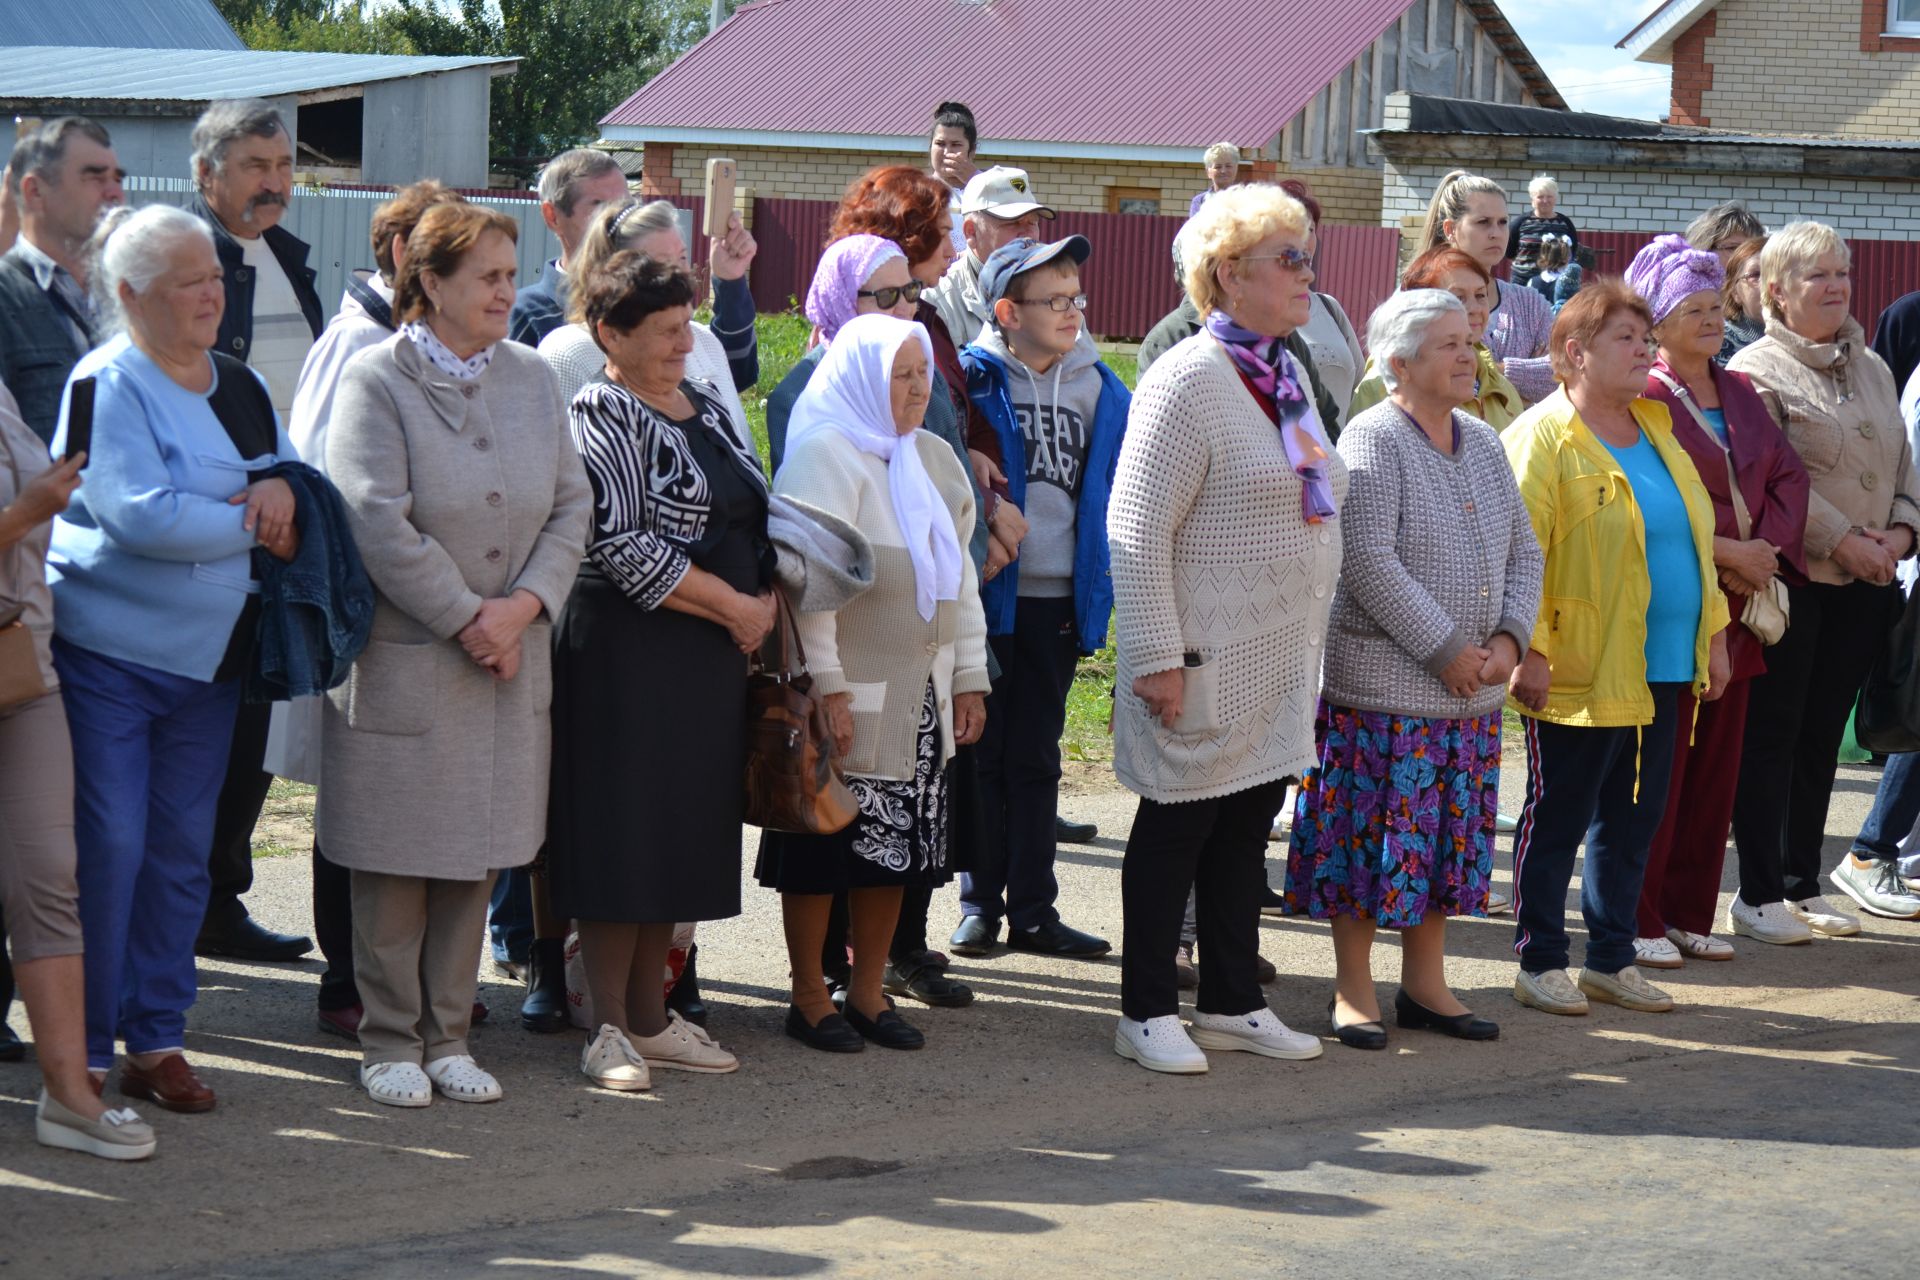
900, 837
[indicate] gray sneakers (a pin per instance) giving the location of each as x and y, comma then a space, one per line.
1878, 887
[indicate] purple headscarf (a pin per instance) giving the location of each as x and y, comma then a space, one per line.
844, 268
1669, 271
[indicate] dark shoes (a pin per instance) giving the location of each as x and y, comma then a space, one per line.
1263, 970
245, 939
11, 1050
1357, 1035
1066, 832
1415, 1016
1271, 903
889, 1030
1056, 939
975, 936
832, 1034
342, 1022
545, 1008
169, 1083
922, 976
685, 999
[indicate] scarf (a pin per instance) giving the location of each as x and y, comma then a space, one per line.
833, 297
1266, 364
443, 359
851, 393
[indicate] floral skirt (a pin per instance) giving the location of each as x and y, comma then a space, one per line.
1397, 818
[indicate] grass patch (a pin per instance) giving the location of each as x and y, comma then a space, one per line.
286, 820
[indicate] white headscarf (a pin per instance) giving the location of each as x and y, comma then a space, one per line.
851, 393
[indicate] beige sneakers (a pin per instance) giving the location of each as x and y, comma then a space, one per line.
1628, 988
685, 1047
610, 1061
1549, 992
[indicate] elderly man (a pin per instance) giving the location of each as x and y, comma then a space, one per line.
998, 207
62, 175
242, 167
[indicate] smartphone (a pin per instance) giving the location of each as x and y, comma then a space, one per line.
79, 418
720, 179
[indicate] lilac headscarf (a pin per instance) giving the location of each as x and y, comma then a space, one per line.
1669, 271
844, 268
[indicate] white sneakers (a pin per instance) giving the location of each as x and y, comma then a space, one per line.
1258, 1032
1628, 988
1657, 953
1498, 903
1770, 922
1823, 917
1878, 887
459, 1078
1549, 992
1159, 1044
1700, 946
683, 1047
610, 1061
396, 1084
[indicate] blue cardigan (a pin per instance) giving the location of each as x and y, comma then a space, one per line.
1092, 573
150, 563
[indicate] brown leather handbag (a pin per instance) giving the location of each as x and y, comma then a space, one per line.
792, 783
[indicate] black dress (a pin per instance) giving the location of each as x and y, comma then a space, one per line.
649, 705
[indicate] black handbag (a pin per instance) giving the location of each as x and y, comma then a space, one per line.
1888, 718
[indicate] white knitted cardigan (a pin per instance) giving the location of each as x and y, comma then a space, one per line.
1211, 555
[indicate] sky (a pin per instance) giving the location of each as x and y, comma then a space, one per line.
1573, 40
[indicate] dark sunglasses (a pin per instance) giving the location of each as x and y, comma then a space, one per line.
885, 298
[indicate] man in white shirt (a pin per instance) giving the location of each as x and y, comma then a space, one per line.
243, 168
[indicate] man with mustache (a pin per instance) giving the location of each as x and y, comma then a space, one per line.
243, 167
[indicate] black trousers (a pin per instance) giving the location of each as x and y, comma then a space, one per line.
242, 795
333, 930
1218, 849
1796, 718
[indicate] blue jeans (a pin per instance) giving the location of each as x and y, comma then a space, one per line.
149, 753
510, 916
1896, 807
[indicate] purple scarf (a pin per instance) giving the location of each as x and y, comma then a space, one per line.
1270, 369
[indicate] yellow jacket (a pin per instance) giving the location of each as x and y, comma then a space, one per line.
1592, 626
1497, 405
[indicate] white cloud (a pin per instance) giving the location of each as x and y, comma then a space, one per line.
1573, 41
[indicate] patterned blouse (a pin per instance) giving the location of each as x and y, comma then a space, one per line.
651, 499
1517, 334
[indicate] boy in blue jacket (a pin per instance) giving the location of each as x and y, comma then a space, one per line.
1059, 414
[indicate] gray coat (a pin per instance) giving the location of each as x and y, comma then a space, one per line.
457, 492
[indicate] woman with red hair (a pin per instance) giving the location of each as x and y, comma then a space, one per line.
1496, 401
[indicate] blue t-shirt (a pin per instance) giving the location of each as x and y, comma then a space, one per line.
1673, 609
1717, 419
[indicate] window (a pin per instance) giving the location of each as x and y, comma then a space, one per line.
1133, 200
1903, 17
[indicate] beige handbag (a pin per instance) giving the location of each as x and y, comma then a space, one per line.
20, 679
1766, 613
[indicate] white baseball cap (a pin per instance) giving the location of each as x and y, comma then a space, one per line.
1002, 191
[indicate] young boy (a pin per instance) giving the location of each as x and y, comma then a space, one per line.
1060, 414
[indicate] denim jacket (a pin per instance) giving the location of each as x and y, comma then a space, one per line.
316, 610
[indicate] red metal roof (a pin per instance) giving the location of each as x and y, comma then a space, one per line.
1093, 72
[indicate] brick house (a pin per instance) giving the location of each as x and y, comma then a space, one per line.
1107, 103
1849, 68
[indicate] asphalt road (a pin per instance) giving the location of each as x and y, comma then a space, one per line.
1767, 1125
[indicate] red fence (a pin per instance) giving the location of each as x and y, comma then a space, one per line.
1129, 279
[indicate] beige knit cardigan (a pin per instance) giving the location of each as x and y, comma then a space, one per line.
1212, 556
878, 648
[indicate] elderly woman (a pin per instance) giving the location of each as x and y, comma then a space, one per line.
1631, 617
1758, 530
1469, 212
470, 508
1226, 482
1395, 823
152, 571
37, 887
1836, 402
678, 568
903, 667
1222, 161
1746, 318
1723, 228
1494, 400
1529, 232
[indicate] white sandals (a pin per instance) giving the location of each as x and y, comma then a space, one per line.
397, 1084
460, 1078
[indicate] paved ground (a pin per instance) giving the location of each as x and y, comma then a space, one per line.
1769, 1123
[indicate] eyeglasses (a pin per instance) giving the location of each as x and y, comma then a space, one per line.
892, 294
1060, 302
1295, 260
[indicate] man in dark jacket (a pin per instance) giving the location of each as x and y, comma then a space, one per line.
1896, 337
243, 168
63, 175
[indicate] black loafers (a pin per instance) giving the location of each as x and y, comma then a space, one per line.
246, 939
832, 1034
975, 936
1065, 832
1415, 1016
11, 1050
1357, 1035
922, 979
545, 1008
889, 1030
685, 998
1056, 939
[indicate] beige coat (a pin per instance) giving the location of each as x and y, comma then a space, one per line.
457, 492
1840, 411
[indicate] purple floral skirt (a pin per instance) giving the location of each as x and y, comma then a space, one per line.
1396, 819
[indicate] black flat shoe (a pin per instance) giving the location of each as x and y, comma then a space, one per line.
545, 1008
1414, 1016
832, 1034
685, 999
1056, 939
975, 936
11, 1050
921, 979
1065, 832
246, 939
889, 1030
1357, 1035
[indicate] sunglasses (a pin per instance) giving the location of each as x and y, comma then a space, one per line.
890, 296
1295, 260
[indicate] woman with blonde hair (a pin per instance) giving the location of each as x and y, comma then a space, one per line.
1223, 170
1470, 213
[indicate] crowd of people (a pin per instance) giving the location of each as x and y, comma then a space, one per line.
493, 567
